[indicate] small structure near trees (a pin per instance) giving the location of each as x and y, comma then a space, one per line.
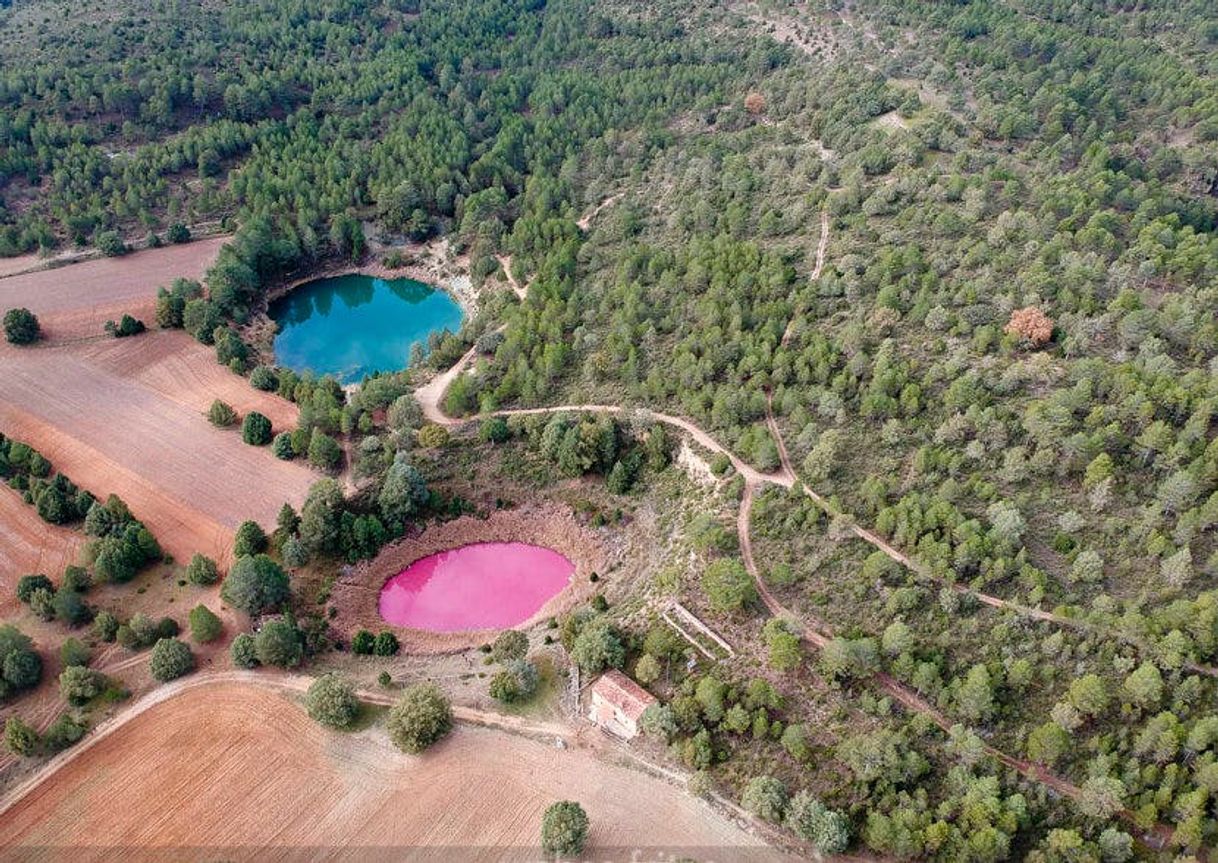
618, 704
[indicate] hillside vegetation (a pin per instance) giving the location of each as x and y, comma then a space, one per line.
1005, 365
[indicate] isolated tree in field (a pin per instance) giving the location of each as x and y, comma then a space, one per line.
279, 643
249, 539
510, 644
598, 646
255, 585
331, 701
564, 829
205, 626
170, 659
221, 414
256, 429
202, 570
78, 684
728, 585
105, 626
21, 327
765, 797
420, 718
21, 738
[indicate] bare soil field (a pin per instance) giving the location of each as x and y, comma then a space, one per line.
126, 417
178, 777
28, 545
75, 301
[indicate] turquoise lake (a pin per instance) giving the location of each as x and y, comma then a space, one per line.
351, 326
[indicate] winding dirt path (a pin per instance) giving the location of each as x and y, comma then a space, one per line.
521, 291
821, 248
585, 221
817, 636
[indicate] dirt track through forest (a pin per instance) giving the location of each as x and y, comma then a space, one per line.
786, 478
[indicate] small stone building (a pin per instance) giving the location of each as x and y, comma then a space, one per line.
618, 703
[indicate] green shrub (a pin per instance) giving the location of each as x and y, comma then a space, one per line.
221, 414
202, 570
255, 585
386, 644
170, 659
27, 584
331, 701
281, 446
421, 717
243, 652
564, 829
205, 626
78, 684
279, 643
21, 327
73, 652
250, 539
256, 429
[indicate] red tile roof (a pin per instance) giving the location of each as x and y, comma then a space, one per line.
623, 693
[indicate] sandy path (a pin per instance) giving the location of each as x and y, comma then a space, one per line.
821, 248
74, 301
585, 221
176, 775
521, 291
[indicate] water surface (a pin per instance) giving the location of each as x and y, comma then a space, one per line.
489, 585
351, 326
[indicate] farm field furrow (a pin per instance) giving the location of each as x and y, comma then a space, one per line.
179, 776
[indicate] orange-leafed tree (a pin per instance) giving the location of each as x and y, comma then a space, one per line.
1031, 325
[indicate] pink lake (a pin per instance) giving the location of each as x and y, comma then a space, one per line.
488, 585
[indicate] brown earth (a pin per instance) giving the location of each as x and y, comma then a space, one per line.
125, 416
75, 301
28, 545
179, 776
